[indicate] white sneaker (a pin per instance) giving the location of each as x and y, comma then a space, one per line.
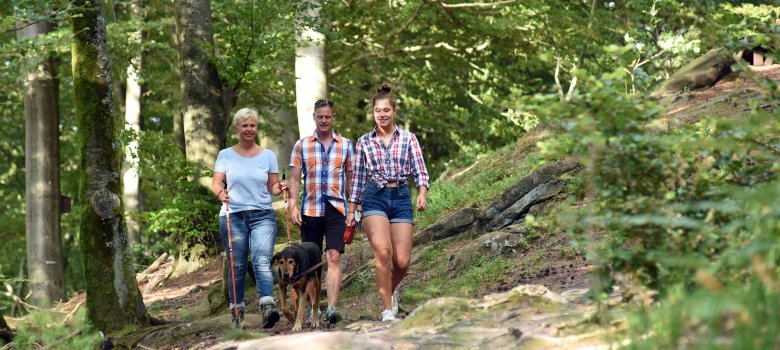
394, 302
387, 316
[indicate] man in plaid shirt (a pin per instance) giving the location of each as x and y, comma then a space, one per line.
325, 161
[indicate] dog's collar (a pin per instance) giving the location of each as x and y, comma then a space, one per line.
295, 276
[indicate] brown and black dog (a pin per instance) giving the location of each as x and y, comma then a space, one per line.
293, 261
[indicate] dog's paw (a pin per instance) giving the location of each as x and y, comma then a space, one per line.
296, 328
315, 324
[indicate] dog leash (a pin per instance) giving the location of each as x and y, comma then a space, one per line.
298, 276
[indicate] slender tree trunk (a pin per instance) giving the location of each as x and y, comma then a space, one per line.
42, 192
283, 144
113, 298
311, 81
178, 130
5, 332
130, 180
202, 90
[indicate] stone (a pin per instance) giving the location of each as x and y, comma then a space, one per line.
701, 72
490, 245
453, 224
546, 173
514, 212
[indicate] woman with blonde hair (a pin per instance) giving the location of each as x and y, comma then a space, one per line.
246, 176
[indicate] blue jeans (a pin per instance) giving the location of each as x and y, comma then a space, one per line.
255, 231
394, 203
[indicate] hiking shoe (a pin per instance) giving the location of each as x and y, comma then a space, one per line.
394, 301
269, 313
388, 316
332, 315
240, 320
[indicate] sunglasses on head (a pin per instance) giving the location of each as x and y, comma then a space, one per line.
323, 103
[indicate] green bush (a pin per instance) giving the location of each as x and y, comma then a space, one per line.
176, 207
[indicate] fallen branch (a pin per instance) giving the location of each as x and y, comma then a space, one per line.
476, 4
19, 289
153, 267
69, 315
153, 282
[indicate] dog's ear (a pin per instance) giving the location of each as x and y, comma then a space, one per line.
297, 256
276, 257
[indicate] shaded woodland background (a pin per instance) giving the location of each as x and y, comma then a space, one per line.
472, 78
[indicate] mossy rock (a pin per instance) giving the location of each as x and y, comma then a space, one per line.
701, 72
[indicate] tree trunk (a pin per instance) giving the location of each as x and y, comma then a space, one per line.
283, 144
5, 332
130, 180
113, 298
311, 81
178, 130
202, 90
42, 192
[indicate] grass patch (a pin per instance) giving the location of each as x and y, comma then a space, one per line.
434, 253
358, 287
242, 334
480, 273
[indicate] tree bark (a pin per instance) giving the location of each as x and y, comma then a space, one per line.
282, 145
131, 182
5, 332
203, 98
113, 298
42, 192
311, 80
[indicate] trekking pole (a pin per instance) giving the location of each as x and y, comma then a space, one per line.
230, 252
286, 210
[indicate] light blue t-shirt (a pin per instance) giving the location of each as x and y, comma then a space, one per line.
247, 179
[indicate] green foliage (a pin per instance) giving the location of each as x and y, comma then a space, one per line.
741, 316
45, 329
176, 207
690, 212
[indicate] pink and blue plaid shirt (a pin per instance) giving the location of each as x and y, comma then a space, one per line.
324, 173
380, 164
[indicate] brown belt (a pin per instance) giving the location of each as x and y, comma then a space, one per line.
392, 184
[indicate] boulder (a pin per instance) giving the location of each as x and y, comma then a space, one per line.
490, 245
517, 210
701, 72
453, 224
546, 173
508, 320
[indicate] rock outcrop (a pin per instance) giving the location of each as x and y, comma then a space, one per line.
491, 215
701, 72
490, 245
517, 210
454, 224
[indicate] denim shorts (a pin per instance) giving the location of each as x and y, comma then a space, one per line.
394, 203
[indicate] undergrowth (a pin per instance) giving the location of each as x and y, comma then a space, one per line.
46, 330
